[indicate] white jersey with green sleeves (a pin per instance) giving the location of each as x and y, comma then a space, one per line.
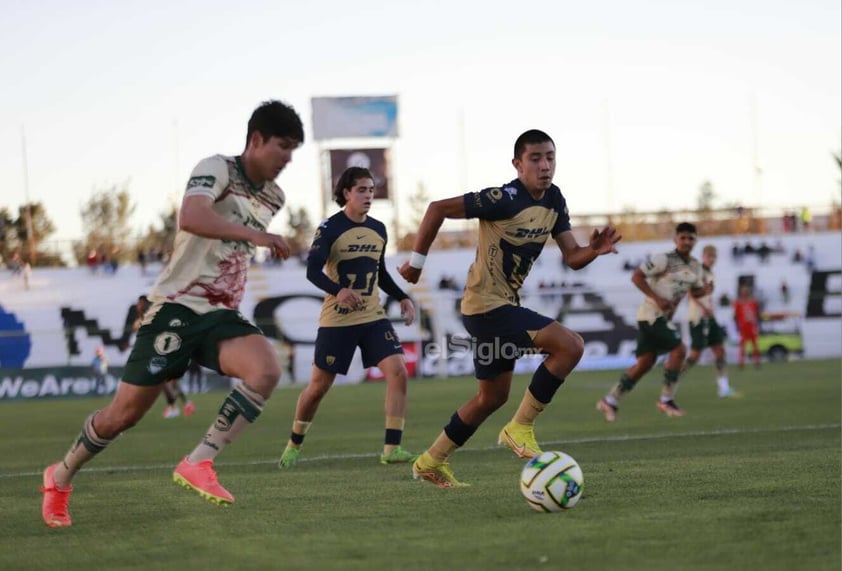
206, 274
671, 277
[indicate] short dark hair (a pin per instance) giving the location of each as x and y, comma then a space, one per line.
530, 137
275, 119
686, 227
347, 180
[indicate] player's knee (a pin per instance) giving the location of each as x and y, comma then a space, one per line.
492, 400
576, 346
267, 379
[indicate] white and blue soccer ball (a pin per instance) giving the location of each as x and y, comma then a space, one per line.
551, 482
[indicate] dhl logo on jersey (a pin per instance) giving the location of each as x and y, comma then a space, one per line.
530, 232
362, 248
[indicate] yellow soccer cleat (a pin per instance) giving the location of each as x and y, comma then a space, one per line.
521, 439
438, 473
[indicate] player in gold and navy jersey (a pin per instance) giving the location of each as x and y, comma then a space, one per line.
346, 261
515, 222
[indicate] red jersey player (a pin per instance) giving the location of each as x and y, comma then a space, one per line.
747, 317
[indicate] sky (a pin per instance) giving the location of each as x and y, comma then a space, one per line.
645, 100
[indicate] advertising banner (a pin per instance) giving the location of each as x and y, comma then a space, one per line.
375, 160
353, 117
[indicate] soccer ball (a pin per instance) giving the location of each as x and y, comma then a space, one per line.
551, 482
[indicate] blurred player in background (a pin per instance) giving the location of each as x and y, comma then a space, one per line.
173, 393
705, 331
664, 279
227, 206
350, 246
747, 318
515, 222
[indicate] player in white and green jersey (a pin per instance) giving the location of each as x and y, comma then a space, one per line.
705, 331
664, 279
224, 215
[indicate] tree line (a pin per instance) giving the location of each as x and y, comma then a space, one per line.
109, 234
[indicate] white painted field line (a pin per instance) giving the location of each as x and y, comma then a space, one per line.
329, 457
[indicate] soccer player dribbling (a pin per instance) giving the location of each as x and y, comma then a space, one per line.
515, 222
227, 206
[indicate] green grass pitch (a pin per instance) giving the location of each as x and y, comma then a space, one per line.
750, 483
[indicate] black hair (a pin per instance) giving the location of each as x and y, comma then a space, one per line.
275, 119
347, 180
685, 227
531, 137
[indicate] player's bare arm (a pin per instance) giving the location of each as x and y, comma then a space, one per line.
600, 242
639, 280
436, 213
198, 217
407, 311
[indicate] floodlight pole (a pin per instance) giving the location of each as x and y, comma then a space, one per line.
30, 238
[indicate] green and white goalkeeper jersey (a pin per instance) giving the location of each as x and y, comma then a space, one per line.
671, 277
206, 274
695, 311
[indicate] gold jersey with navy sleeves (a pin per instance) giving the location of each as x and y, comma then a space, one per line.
206, 274
350, 254
513, 229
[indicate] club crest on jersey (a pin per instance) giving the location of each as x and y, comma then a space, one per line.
330, 359
167, 342
156, 365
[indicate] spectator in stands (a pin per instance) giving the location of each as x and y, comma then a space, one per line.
141, 261
99, 365
736, 253
763, 252
92, 260
784, 292
806, 219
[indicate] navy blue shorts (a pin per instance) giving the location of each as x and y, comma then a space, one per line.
335, 346
500, 336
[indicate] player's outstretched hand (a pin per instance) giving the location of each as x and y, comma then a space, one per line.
407, 311
602, 241
410, 274
276, 244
